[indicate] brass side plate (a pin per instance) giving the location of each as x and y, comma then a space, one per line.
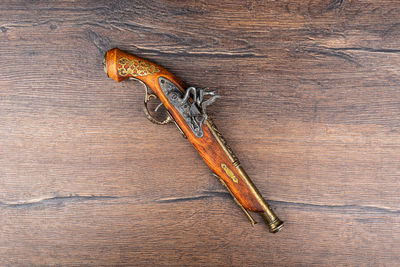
229, 172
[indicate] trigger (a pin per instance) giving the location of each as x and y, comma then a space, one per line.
159, 106
147, 98
153, 120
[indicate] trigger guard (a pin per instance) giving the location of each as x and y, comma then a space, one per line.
147, 98
147, 112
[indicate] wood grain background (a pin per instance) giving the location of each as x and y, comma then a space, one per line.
310, 105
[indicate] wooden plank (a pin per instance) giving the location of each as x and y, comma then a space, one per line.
310, 106
128, 231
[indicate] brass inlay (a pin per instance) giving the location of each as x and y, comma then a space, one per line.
135, 67
221, 141
229, 172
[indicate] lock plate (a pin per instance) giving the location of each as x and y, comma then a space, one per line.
189, 111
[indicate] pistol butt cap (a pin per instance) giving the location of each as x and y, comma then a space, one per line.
111, 64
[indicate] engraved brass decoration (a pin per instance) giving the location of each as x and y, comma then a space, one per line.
135, 67
229, 172
222, 142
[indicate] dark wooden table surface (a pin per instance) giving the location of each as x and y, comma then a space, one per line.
310, 104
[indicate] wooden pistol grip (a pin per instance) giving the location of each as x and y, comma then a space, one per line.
211, 145
120, 66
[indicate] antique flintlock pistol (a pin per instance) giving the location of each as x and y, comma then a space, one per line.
186, 108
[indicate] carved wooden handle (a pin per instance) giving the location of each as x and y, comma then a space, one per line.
210, 144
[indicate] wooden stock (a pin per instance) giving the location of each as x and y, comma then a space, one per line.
121, 65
